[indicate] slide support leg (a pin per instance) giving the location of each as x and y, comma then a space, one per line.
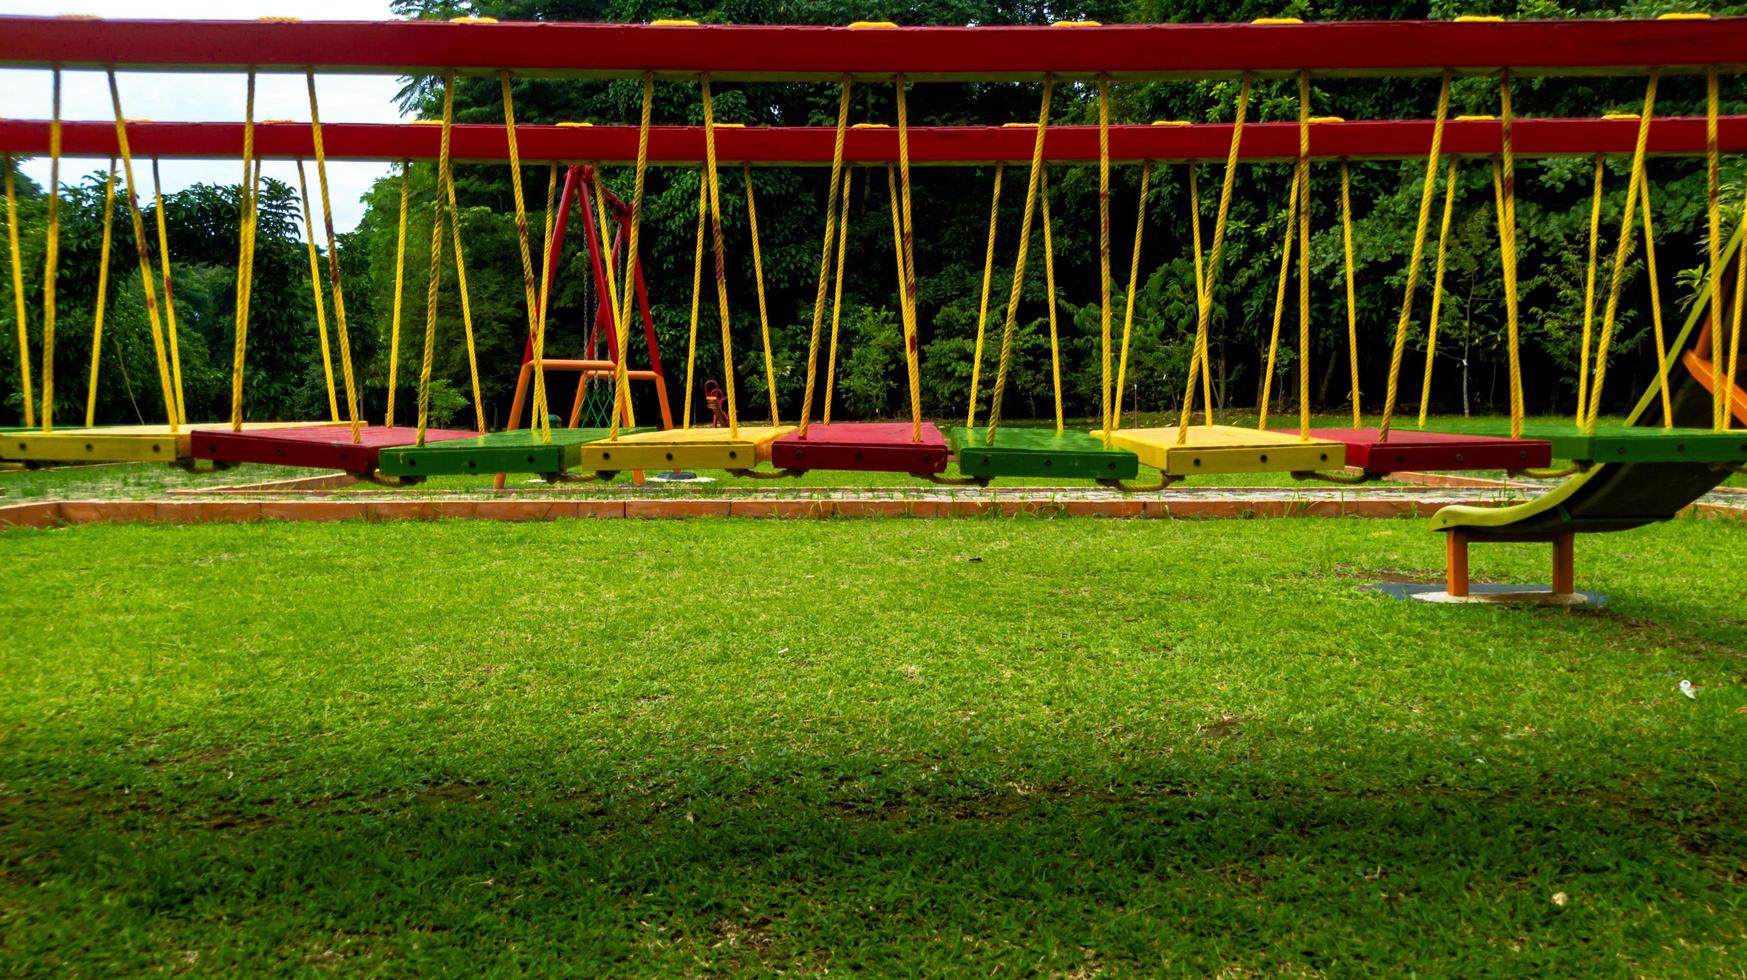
1456, 563
1564, 561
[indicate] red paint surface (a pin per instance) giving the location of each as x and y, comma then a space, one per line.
327, 447
1411, 449
812, 146
884, 447
826, 53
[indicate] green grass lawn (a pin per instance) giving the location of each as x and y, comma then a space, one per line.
911, 747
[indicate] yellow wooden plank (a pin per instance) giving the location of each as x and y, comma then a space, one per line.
692, 449
115, 443
1228, 449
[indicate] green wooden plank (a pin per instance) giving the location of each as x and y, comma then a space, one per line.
516, 451
1040, 453
1623, 443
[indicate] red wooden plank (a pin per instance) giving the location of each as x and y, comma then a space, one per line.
1413, 449
787, 52
884, 447
327, 447
684, 145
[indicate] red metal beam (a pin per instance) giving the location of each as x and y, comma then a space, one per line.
1380, 140
924, 53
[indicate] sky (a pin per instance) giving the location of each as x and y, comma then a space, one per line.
167, 97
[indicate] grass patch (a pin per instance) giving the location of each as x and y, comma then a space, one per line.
894, 746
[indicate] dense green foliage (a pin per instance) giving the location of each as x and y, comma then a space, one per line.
951, 215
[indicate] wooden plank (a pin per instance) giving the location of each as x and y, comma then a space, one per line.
1357, 139
1039, 453
515, 451
327, 447
734, 52
1415, 449
1229, 449
1624, 443
683, 449
114, 444
885, 447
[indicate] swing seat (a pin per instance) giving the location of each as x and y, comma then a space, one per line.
116, 443
1413, 449
515, 451
1627, 443
683, 449
324, 447
1228, 449
884, 447
1039, 453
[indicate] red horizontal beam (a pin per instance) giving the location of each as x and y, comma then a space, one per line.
1376, 140
781, 52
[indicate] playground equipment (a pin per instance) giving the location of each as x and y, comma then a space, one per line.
1645, 471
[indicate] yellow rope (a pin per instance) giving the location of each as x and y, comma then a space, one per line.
1589, 289
434, 280
399, 289
1201, 297
1146, 174
1304, 255
51, 264
1010, 325
904, 311
530, 287
1055, 351
1662, 362
1734, 334
837, 296
621, 381
1279, 300
970, 419
1622, 254
18, 297
240, 316
1204, 316
825, 250
691, 349
1105, 312
715, 186
1425, 388
170, 290
911, 352
339, 294
1719, 394
1352, 305
1416, 257
321, 313
758, 288
615, 314
1507, 236
147, 282
467, 306
102, 293
245, 282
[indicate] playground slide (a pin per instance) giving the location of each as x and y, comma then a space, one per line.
1620, 496
1609, 496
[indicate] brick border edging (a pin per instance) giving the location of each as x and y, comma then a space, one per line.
66, 512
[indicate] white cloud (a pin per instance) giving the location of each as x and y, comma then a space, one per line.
169, 97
